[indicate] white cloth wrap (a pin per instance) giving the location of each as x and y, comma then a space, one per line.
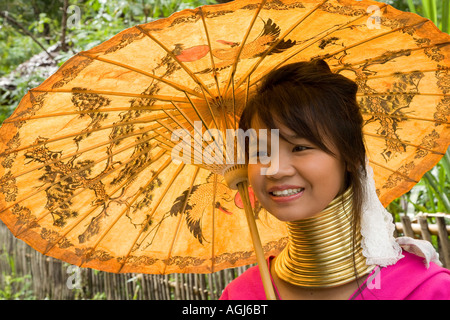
379, 245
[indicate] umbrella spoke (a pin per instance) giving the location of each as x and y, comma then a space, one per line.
402, 142
50, 140
78, 152
405, 177
204, 123
329, 55
150, 216
114, 93
196, 129
383, 56
85, 112
213, 64
128, 207
402, 117
241, 47
161, 79
180, 218
181, 64
87, 214
86, 186
396, 74
282, 37
164, 138
191, 138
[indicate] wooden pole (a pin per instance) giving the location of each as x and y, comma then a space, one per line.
443, 239
262, 263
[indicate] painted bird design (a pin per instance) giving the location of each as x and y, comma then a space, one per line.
198, 201
269, 34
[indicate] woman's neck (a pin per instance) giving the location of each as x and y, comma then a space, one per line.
323, 251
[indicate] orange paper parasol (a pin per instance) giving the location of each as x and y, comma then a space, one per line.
86, 167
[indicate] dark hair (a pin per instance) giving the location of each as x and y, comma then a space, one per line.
315, 103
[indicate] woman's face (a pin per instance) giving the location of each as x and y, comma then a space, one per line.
308, 178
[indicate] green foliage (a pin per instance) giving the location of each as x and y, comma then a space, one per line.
12, 51
15, 287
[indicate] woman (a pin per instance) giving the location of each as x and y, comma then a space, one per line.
340, 243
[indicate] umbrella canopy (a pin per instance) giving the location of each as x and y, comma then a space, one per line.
87, 173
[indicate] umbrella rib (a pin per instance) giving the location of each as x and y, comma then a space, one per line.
203, 121
192, 125
86, 187
84, 112
126, 257
180, 219
128, 206
144, 120
381, 137
115, 63
70, 155
172, 55
281, 38
393, 171
304, 46
394, 74
387, 115
113, 93
78, 171
375, 38
392, 53
241, 47
187, 118
171, 145
168, 127
393, 93
214, 71
329, 55
78, 221
210, 110
213, 64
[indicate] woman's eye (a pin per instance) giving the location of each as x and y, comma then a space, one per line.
299, 148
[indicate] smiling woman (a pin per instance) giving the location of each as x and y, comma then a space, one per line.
321, 141
339, 234
306, 181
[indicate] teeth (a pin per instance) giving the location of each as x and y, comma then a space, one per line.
286, 192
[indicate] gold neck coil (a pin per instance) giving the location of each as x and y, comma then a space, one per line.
323, 251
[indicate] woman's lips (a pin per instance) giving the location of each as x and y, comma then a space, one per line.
286, 198
283, 187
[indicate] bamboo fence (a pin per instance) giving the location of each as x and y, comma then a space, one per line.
49, 278
52, 279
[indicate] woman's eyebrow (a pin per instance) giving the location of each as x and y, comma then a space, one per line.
291, 137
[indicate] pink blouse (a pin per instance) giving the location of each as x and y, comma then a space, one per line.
408, 279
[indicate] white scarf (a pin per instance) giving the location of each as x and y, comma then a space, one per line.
377, 228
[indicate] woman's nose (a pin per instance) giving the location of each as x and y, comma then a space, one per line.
279, 167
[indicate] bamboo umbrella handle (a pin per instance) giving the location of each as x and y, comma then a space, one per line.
262, 264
